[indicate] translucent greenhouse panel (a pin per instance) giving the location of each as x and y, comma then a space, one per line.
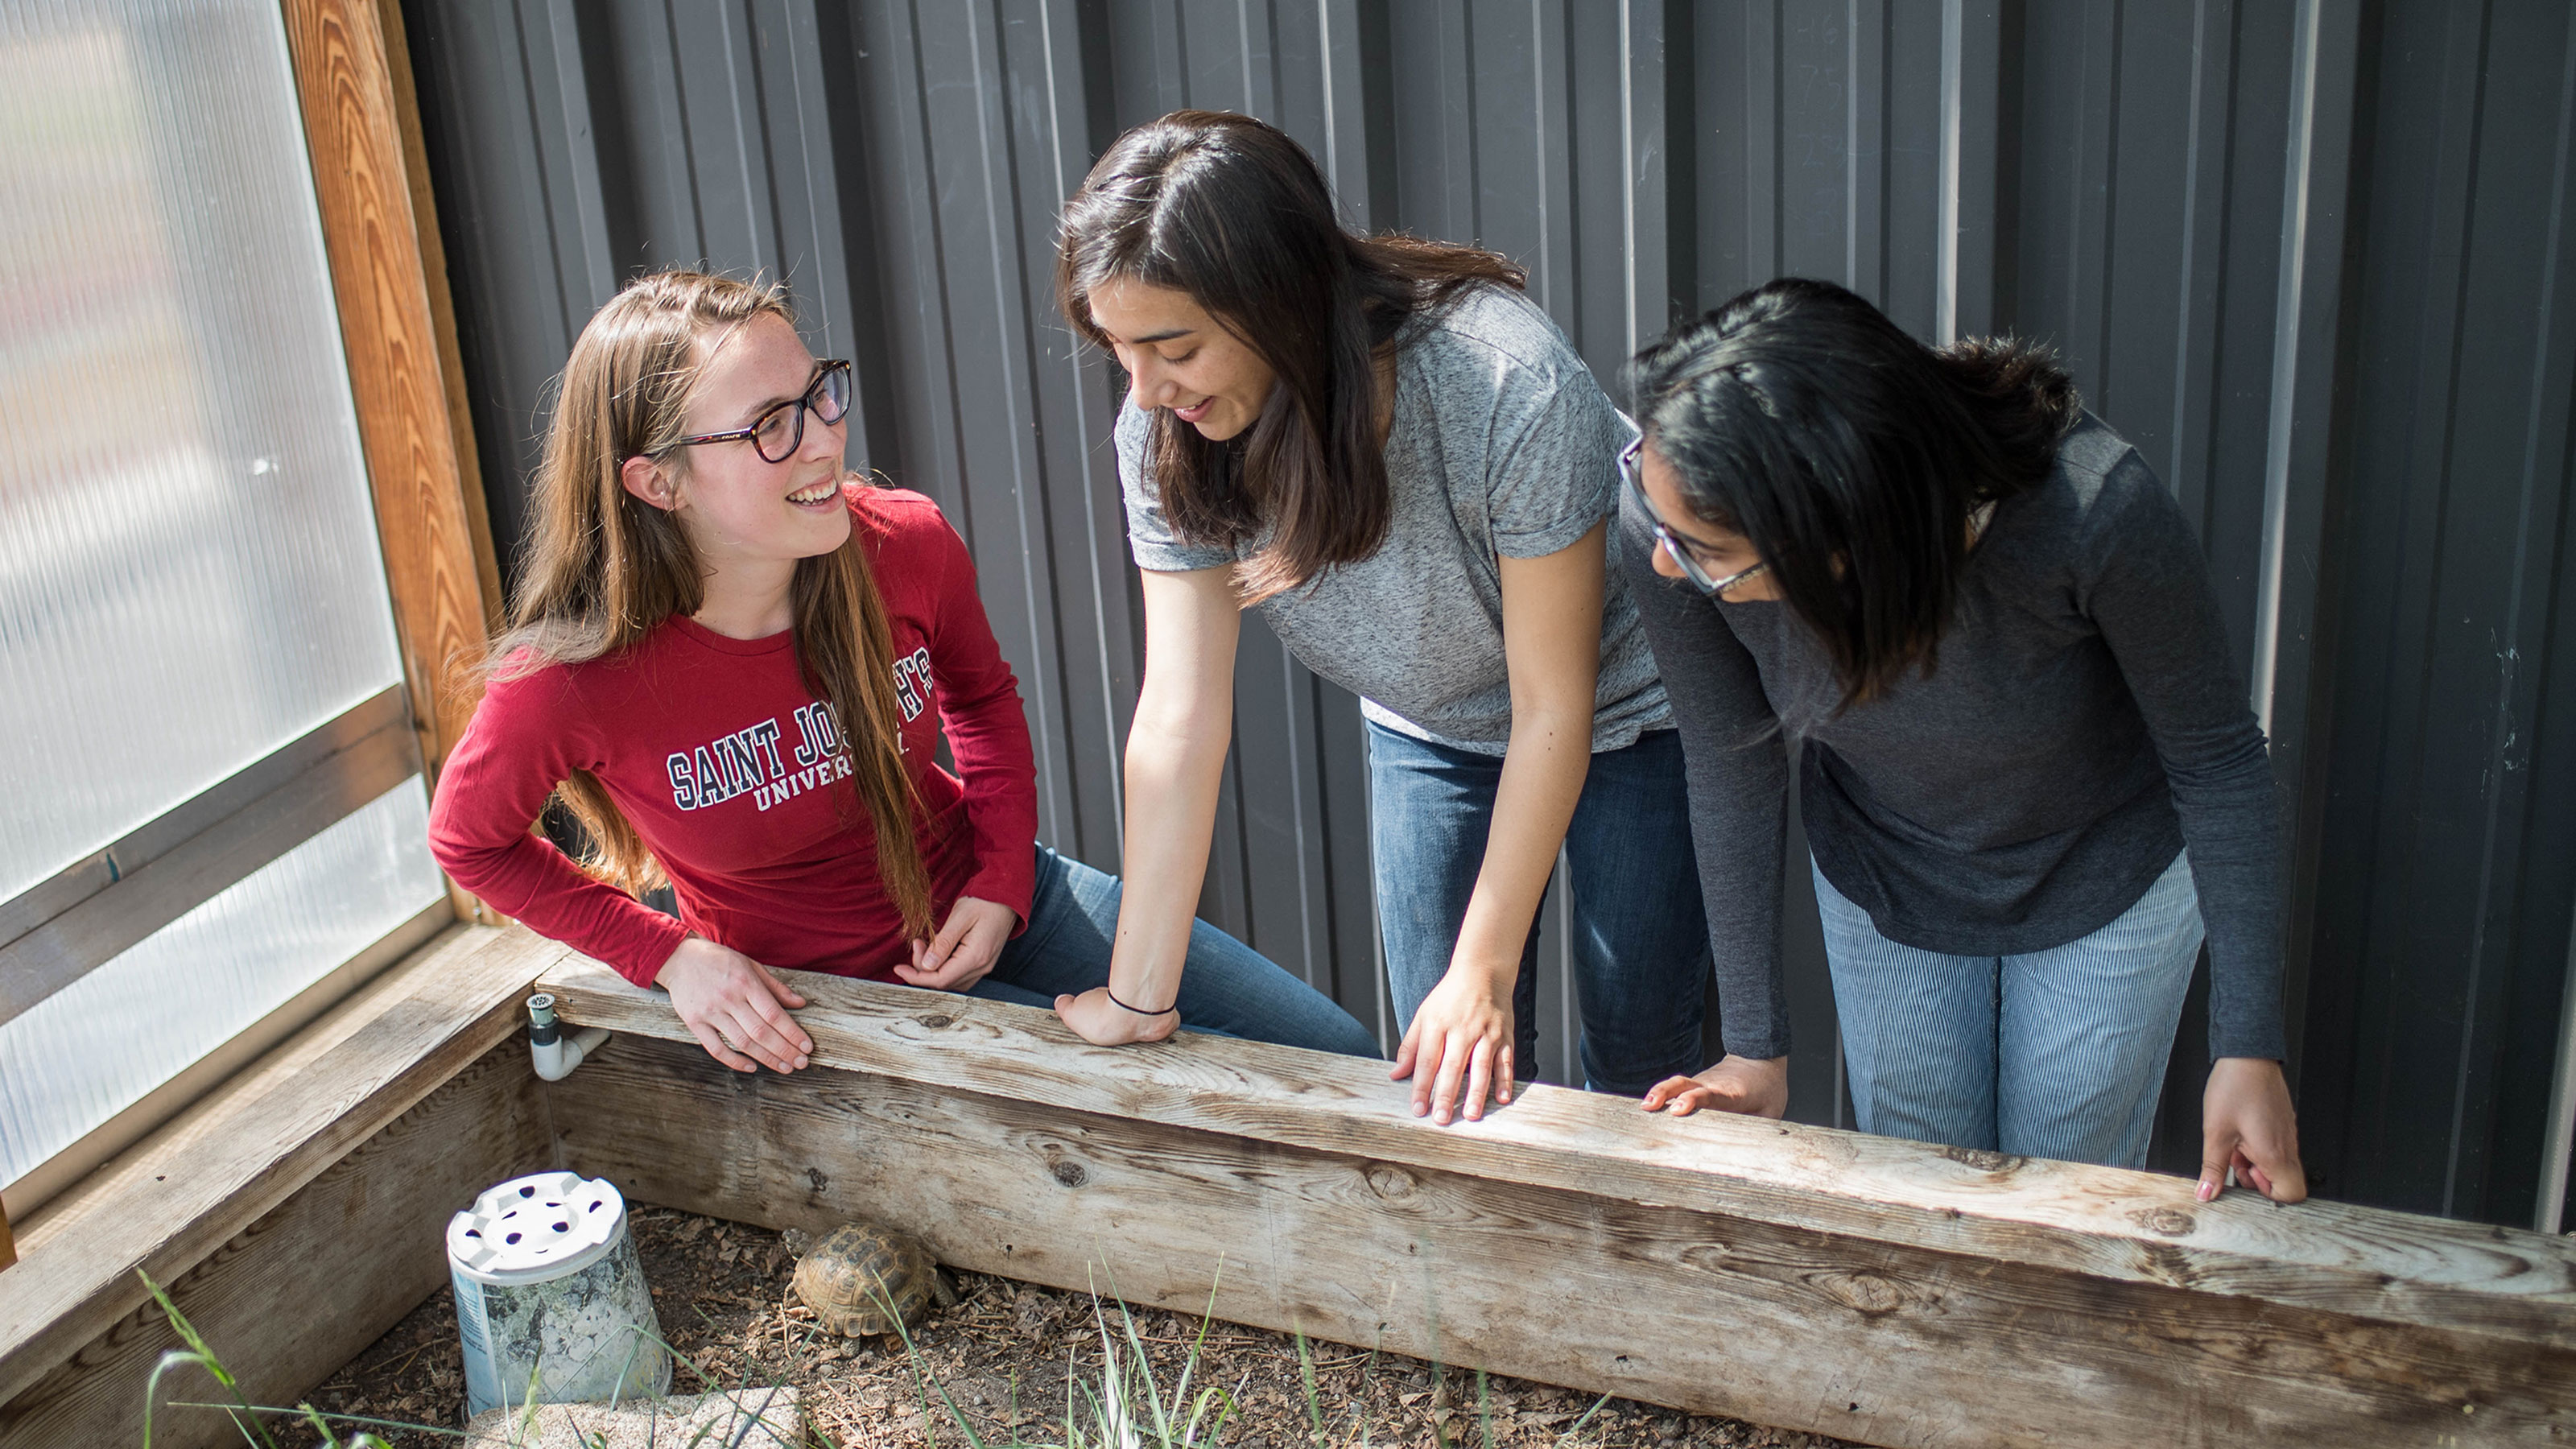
189, 574
93, 1049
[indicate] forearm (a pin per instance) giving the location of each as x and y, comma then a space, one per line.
989, 740
1543, 772
2233, 836
534, 884
2145, 585
525, 878
1737, 772
987, 727
1173, 772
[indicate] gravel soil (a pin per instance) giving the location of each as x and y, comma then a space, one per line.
1003, 1355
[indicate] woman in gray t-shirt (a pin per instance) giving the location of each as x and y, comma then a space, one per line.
1993, 635
1394, 455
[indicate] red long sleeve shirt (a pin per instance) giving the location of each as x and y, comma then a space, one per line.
732, 773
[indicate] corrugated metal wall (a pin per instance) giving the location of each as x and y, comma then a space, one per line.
2307, 255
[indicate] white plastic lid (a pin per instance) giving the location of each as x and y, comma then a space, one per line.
534, 1228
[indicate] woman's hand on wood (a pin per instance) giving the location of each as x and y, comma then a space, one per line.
964, 950
734, 1007
1103, 1022
1750, 1085
1459, 1048
2247, 1123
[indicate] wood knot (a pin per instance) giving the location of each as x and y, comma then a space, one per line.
1871, 1295
1391, 1183
2171, 1222
821, 1183
1068, 1172
1707, 1257
1983, 1160
937, 1020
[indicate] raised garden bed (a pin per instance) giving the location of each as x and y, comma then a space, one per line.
1822, 1282
1004, 1354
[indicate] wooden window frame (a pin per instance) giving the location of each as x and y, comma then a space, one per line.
362, 136
398, 325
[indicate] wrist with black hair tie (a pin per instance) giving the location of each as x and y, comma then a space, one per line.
1170, 1010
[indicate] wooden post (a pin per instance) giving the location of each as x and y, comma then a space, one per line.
442, 313
1796, 1276
362, 128
8, 1248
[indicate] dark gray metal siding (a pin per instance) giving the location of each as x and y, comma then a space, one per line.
2307, 255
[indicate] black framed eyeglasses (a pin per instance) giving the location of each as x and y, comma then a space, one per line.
1672, 543
779, 431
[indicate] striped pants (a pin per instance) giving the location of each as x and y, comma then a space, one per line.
2057, 1053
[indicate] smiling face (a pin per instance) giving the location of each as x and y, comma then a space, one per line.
1719, 552
1179, 357
746, 516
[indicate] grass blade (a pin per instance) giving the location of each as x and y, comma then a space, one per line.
1577, 1426
1314, 1396
926, 1381
255, 1431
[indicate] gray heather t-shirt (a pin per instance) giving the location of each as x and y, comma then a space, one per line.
2084, 722
1503, 445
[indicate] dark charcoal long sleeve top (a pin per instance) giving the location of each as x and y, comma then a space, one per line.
2084, 722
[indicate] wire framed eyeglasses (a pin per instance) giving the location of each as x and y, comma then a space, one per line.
1673, 545
780, 430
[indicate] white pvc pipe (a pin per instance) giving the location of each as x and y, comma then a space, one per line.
556, 1059
556, 1052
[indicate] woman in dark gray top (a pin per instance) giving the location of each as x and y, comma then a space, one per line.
2028, 771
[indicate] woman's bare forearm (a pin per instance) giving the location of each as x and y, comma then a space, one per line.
1543, 772
1173, 773
1175, 757
1552, 644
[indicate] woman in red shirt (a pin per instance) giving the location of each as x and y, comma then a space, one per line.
730, 660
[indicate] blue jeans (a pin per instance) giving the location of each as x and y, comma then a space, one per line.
1226, 986
1640, 940
2057, 1053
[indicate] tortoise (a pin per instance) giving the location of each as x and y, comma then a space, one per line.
850, 1277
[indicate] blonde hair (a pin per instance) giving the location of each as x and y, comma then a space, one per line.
605, 568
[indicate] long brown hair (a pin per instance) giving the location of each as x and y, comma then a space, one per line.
1234, 213
605, 569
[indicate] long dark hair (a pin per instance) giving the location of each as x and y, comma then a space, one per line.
605, 568
1231, 211
1851, 456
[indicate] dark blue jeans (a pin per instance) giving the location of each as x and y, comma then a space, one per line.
1226, 986
1640, 938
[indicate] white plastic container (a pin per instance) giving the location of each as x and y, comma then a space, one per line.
548, 1288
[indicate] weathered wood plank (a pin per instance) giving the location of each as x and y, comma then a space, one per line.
2103, 1222
1784, 1274
289, 1297
171, 1200
352, 125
